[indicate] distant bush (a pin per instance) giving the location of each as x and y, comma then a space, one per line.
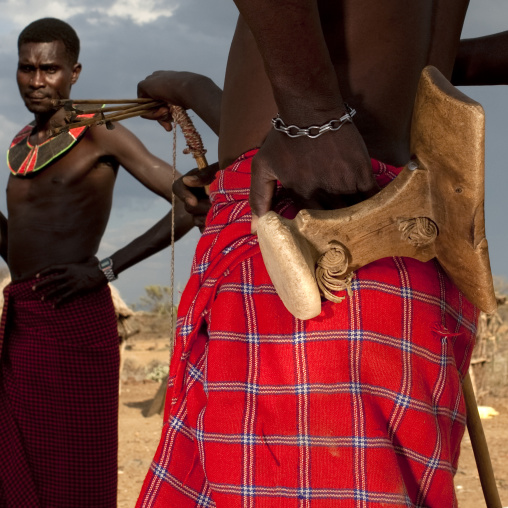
157, 299
157, 371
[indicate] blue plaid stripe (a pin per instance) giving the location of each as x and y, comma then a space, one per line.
356, 284
186, 330
302, 389
253, 338
249, 490
433, 463
403, 400
159, 471
195, 373
299, 337
406, 346
201, 268
305, 493
176, 423
252, 388
248, 289
200, 435
204, 501
249, 439
355, 388
406, 293
304, 440
361, 495
360, 441
355, 334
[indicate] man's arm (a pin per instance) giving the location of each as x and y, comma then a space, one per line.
321, 171
3, 236
189, 91
482, 61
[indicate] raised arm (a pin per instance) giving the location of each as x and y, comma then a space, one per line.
3, 236
482, 61
203, 96
324, 172
186, 89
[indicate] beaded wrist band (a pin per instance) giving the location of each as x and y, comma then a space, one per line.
314, 131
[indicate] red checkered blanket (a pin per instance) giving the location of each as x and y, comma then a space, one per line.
359, 407
58, 401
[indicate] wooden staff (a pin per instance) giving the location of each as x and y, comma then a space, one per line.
480, 447
125, 109
129, 108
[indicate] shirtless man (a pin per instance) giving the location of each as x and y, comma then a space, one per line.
60, 360
361, 406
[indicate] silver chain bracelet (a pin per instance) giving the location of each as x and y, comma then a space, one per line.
314, 131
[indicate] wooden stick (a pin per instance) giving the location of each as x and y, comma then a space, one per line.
137, 108
110, 109
63, 102
480, 447
104, 119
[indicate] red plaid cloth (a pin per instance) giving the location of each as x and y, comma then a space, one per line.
360, 407
58, 401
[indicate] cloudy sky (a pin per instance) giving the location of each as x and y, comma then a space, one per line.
125, 40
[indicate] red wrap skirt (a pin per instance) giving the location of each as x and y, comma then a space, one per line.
59, 373
359, 407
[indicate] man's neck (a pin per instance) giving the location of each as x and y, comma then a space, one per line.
45, 123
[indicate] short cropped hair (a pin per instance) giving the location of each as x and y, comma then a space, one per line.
49, 30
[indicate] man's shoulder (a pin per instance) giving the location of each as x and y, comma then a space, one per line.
111, 137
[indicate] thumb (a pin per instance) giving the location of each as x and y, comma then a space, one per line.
262, 189
200, 178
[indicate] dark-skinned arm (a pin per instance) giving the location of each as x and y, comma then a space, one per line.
185, 89
189, 91
324, 172
482, 61
3, 236
158, 237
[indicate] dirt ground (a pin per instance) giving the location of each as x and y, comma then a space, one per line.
148, 352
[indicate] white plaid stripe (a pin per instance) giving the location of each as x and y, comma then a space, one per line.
436, 394
248, 448
358, 414
406, 339
302, 380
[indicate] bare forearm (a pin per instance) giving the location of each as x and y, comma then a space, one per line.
3, 236
204, 97
154, 240
289, 37
188, 90
482, 61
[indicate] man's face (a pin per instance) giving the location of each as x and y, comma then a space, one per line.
45, 73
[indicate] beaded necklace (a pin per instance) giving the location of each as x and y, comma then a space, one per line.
24, 158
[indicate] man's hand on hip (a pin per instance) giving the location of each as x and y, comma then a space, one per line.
61, 283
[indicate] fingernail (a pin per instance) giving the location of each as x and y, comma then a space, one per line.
37, 275
42, 298
34, 288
